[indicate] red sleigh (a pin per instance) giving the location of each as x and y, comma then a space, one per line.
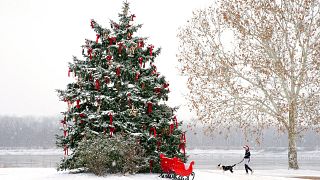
175, 168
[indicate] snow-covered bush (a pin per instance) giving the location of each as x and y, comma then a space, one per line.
118, 154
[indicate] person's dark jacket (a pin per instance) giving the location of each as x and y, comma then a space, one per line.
247, 154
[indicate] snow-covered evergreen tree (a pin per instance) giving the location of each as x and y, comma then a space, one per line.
118, 91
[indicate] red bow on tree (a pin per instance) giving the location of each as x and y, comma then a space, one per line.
110, 118
90, 53
150, 49
158, 144
149, 107
176, 121
65, 150
118, 71
157, 90
182, 145
97, 85
112, 129
111, 40
129, 36
107, 79
171, 128
109, 57
78, 103
133, 16
120, 44
140, 43
140, 59
153, 129
137, 76
92, 23
98, 36
64, 121
165, 85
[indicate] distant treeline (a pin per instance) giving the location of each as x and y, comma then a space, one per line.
28, 132
270, 139
39, 132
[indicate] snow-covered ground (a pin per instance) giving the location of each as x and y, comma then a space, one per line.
267, 164
52, 174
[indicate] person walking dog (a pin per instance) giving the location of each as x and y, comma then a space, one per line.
247, 159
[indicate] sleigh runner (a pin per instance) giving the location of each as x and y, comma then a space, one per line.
174, 168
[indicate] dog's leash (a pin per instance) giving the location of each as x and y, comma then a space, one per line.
240, 161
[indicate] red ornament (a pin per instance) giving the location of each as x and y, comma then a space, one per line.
176, 121
90, 53
165, 85
92, 23
118, 71
129, 36
153, 130
82, 115
64, 121
112, 129
133, 16
142, 86
90, 77
115, 25
150, 49
157, 90
69, 72
107, 79
65, 133
120, 44
182, 147
97, 85
111, 40
78, 103
149, 107
140, 43
110, 118
158, 145
65, 150
183, 138
171, 128
98, 36
154, 69
109, 57
137, 76
140, 59
151, 162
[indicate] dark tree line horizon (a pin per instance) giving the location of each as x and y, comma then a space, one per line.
39, 132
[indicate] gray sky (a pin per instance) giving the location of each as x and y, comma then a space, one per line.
39, 37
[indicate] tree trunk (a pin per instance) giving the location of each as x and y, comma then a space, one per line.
292, 151
292, 147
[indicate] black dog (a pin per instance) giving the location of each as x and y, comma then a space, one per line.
226, 168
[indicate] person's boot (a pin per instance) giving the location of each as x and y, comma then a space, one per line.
246, 168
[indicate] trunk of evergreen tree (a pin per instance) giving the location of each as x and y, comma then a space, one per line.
292, 146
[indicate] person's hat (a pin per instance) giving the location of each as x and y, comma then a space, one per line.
246, 146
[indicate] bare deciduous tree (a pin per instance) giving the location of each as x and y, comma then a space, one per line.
268, 76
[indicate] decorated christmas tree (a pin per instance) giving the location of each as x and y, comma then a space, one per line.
117, 91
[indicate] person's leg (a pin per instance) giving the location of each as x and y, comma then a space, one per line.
246, 168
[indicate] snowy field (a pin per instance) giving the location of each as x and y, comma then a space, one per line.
52, 174
267, 164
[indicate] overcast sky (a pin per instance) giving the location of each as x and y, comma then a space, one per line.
39, 37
